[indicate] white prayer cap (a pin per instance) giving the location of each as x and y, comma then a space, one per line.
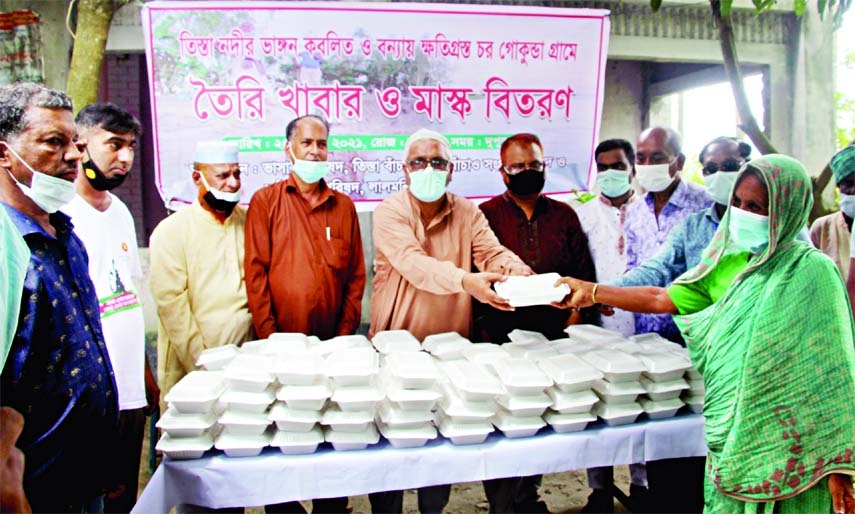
216, 152
423, 134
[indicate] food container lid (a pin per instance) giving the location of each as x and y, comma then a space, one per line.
219, 355
557, 418
505, 421
652, 338
530, 351
524, 401
568, 369
286, 438
522, 291
575, 347
247, 419
412, 366
521, 373
339, 343
298, 363
447, 350
173, 420
390, 415
294, 340
265, 397
319, 391
394, 341
617, 410
424, 431
281, 412
472, 378
455, 406
352, 362
335, 416
614, 361
352, 394
367, 436
273, 346
593, 334
485, 353
527, 337
448, 427
197, 386
664, 362
562, 400
201, 443
434, 339
606, 388
398, 394
663, 387
230, 441
249, 368
652, 407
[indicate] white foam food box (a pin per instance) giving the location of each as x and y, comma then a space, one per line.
185, 447
394, 341
523, 291
394, 417
249, 372
347, 421
693, 374
306, 397
653, 338
659, 391
293, 420
346, 441
293, 340
196, 392
592, 334
696, 386
298, 368
568, 345
298, 443
433, 340
358, 398
352, 367
519, 336
450, 350
463, 432
337, 344
485, 353
408, 399
185, 425
664, 366
570, 372
412, 370
454, 407
568, 422
661, 409
625, 346
242, 445
216, 358
408, 437
244, 423
616, 366
521, 376
531, 351
517, 426
694, 401
576, 402
618, 392
525, 405
615, 414
248, 401
273, 346
472, 381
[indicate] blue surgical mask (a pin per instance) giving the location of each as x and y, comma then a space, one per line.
720, 185
428, 185
748, 231
48, 192
613, 183
309, 171
847, 205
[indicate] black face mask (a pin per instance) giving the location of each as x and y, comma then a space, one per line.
217, 204
526, 182
98, 180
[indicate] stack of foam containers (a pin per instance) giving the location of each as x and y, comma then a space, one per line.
572, 397
405, 416
620, 386
525, 400
301, 397
694, 395
663, 382
529, 345
251, 391
447, 346
349, 419
190, 422
468, 402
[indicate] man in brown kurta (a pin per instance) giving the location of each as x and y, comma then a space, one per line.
305, 271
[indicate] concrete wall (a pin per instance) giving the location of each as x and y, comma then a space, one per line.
56, 47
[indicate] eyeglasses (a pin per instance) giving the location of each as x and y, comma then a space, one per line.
712, 167
435, 163
513, 169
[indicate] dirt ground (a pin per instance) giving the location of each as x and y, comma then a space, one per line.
563, 493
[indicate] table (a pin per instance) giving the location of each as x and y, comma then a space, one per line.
218, 481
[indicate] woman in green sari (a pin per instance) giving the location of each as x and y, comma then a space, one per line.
767, 322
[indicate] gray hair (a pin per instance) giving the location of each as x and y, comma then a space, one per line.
16, 98
423, 134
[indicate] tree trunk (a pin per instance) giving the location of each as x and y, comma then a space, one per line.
90, 42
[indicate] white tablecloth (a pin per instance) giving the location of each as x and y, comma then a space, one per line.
219, 481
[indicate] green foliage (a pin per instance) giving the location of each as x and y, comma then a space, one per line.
836, 7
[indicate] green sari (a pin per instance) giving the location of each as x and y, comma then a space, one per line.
777, 356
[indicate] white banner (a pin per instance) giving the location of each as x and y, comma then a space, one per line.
377, 72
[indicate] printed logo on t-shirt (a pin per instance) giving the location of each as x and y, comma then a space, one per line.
124, 246
121, 299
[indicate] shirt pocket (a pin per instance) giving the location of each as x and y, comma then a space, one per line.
337, 254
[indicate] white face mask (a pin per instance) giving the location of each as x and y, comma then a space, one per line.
48, 192
221, 195
309, 171
653, 177
720, 185
749, 231
428, 185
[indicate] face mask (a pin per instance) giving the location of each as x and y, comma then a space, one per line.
220, 200
613, 183
653, 177
526, 182
749, 231
48, 192
428, 185
98, 180
847, 205
309, 171
720, 185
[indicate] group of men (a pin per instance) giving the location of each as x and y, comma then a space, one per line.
293, 262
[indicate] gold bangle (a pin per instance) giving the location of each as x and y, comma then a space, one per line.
594, 293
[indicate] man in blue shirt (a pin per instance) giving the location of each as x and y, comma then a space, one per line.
58, 373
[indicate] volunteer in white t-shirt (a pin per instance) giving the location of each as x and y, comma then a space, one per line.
106, 227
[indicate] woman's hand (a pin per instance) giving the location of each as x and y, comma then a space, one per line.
842, 494
580, 293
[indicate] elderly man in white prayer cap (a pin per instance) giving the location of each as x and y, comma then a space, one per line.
197, 267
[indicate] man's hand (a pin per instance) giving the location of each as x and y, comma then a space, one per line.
12, 498
478, 285
518, 269
152, 392
580, 293
842, 495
